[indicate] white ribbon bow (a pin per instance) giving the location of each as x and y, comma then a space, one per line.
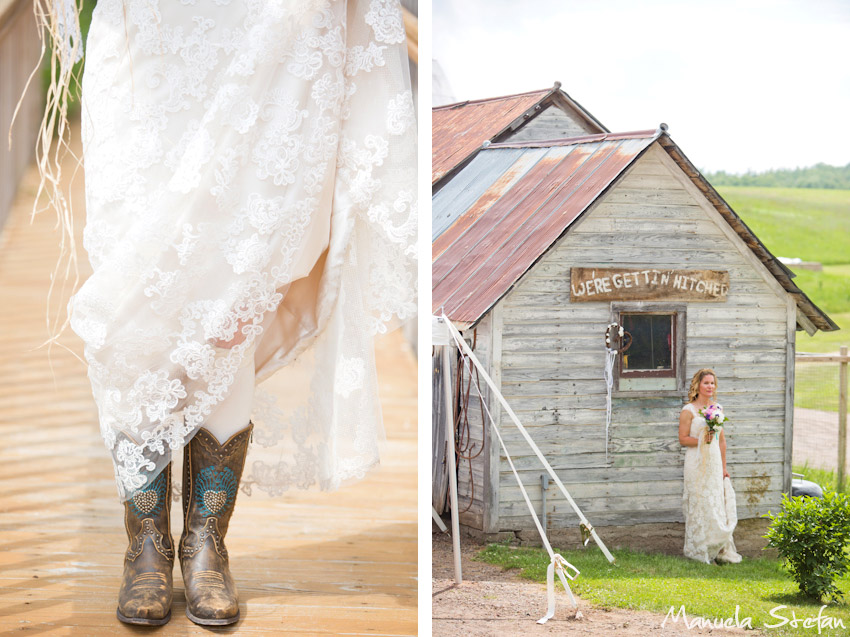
560, 565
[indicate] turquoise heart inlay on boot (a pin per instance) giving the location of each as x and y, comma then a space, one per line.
211, 480
216, 488
146, 586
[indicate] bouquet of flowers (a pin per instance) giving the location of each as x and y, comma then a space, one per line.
714, 418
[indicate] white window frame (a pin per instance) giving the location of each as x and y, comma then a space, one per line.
654, 387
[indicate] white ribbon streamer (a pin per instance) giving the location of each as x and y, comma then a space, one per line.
557, 562
483, 374
610, 357
560, 565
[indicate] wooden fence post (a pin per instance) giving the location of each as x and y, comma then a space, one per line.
842, 418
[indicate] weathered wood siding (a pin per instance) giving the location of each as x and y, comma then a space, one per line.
552, 362
552, 123
471, 482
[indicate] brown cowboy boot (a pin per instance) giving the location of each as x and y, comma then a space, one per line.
211, 478
145, 595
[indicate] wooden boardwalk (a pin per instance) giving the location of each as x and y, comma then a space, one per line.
311, 563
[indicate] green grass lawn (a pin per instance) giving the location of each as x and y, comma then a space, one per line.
656, 582
808, 223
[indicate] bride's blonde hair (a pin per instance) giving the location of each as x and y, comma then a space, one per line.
693, 392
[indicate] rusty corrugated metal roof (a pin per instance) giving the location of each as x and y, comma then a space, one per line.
491, 243
503, 211
458, 130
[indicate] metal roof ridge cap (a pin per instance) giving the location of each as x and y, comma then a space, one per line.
584, 139
544, 93
563, 141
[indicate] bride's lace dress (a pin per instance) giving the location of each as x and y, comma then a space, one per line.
250, 176
708, 501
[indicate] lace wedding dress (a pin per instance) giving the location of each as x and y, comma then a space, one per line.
250, 179
708, 501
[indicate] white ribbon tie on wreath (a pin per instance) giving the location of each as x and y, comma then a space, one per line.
559, 565
610, 357
608, 374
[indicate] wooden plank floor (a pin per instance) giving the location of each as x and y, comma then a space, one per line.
311, 563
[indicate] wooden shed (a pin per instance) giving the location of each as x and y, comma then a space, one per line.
542, 240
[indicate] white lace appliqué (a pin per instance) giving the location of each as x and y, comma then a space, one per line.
385, 19
400, 114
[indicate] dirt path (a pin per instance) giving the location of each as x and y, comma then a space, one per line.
493, 602
816, 438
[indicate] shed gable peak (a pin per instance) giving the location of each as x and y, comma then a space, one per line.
459, 130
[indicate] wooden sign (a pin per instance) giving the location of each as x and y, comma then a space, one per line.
622, 284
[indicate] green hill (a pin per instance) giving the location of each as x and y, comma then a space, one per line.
814, 225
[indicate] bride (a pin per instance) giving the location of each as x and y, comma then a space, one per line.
708, 501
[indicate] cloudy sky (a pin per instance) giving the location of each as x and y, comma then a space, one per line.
743, 85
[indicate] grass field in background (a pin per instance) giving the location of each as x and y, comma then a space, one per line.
813, 225
827, 289
808, 223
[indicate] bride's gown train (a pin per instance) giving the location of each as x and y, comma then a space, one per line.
250, 181
708, 501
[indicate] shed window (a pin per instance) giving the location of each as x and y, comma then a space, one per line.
653, 360
651, 352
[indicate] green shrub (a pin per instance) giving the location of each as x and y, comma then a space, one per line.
812, 535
